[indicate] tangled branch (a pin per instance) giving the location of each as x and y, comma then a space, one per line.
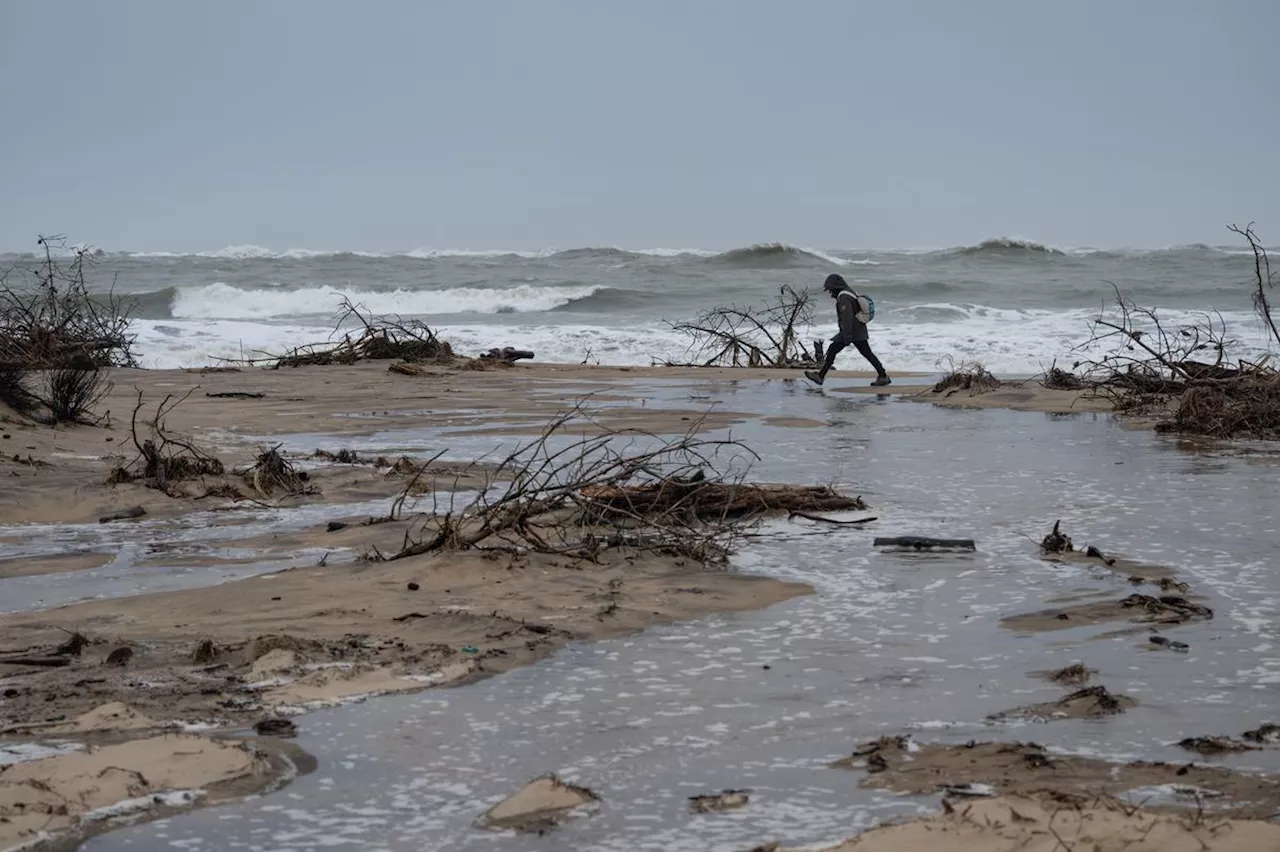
1262, 277
970, 376
52, 321
379, 338
764, 336
1183, 372
164, 461
685, 496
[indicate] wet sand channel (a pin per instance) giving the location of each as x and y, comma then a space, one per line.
891, 643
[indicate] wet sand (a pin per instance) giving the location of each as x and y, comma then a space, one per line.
246, 652
1047, 824
313, 636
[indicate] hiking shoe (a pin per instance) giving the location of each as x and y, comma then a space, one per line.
881, 381
813, 376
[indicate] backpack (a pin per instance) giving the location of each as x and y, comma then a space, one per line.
866, 311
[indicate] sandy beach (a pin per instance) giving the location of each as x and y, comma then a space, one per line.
188, 691
239, 654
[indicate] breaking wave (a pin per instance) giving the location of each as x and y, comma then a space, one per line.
1006, 247
223, 301
778, 254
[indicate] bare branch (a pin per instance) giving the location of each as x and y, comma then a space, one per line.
763, 336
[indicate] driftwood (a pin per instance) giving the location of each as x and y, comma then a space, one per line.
808, 517
508, 354
1094, 553
711, 499
405, 368
44, 662
923, 542
236, 395
123, 515
1056, 541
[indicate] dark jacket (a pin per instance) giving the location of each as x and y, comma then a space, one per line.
846, 315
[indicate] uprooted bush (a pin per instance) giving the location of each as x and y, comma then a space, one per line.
377, 338
1056, 378
49, 319
1246, 405
685, 496
164, 461
56, 336
754, 336
271, 474
969, 376
1185, 375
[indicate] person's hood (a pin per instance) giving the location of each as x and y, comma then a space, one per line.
836, 284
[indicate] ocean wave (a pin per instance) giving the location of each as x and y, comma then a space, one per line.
222, 301
484, 254
777, 254
1006, 246
763, 256
745, 255
255, 252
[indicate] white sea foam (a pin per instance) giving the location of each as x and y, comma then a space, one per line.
823, 256
1007, 341
256, 252
222, 301
11, 753
431, 254
241, 252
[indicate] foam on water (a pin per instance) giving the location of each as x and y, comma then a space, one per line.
919, 338
222, 301
1016, 304
888, 640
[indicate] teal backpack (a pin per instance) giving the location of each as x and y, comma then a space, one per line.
866, 308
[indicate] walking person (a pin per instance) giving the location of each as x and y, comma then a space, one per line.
853, 312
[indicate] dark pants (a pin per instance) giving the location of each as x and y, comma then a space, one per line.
837, 346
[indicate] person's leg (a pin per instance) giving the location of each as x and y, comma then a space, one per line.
837, 346
833, 349
864, 347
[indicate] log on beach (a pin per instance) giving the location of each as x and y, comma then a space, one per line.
922, 542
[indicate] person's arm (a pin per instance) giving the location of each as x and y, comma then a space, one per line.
846, 307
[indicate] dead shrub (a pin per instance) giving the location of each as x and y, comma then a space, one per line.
969, 376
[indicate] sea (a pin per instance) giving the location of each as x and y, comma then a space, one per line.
1015, 305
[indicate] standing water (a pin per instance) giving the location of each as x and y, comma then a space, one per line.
890, 643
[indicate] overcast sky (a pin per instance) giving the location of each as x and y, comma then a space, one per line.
650, 123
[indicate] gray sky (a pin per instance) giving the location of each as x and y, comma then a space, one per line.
166, 125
